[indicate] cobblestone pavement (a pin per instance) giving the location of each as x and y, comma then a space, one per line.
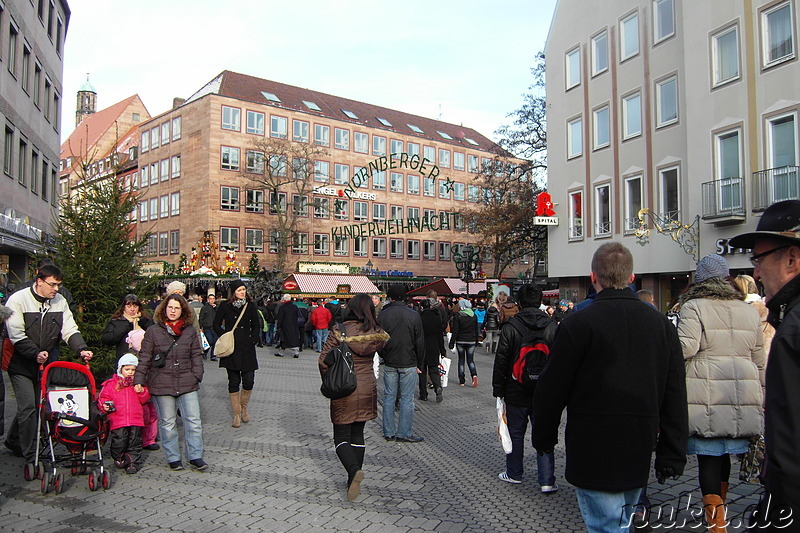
280, 473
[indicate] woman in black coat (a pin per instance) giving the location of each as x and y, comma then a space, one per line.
130, 315
242, 363
434, 348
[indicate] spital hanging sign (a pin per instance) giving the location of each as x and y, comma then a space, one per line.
545, 215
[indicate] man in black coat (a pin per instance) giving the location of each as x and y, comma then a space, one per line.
776, 257
286, 323
618, 369
207, 314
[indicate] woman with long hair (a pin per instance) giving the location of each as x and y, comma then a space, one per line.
747, 286
130, 316
175, 380
464, 329
722, 346
349, 414
242, 363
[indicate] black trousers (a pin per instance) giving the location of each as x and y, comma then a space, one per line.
247, 379
128, 440
436, 379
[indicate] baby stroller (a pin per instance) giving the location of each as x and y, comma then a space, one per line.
69, 416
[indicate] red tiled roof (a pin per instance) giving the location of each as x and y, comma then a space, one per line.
250, 88
92, 128
327, 283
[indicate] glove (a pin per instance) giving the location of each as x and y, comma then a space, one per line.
666, 472
542, 453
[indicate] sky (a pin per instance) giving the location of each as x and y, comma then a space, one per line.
461, 61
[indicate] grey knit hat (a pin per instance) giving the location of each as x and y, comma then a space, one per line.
176, 287
711, 266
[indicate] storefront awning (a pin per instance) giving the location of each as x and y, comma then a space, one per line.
325, 285
452, 286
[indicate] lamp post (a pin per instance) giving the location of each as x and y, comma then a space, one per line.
466, 261
367, 270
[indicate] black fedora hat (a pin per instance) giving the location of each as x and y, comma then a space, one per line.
779, 221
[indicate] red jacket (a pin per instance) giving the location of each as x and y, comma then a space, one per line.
127, 402
321, 317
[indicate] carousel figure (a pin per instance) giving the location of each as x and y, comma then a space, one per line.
193, 261
230, 262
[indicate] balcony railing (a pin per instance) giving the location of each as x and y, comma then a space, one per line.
775, 185
602, 229
723, 199
576, 230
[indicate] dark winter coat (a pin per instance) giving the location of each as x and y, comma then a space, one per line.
243, 358
503, 385
207, 314
492, 319
434, 339
183, 370
618, 369
286, 321
362, 405
464, 328
117, 331
406, 348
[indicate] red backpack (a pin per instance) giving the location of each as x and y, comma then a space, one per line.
534, 351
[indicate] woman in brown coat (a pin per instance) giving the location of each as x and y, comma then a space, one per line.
350, 414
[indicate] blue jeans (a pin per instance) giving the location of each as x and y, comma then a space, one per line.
270, 332
211, 337
517, 418
404, 380
167, 407
466, 351
607, 512
320, 336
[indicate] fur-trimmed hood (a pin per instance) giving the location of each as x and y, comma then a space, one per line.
711, 289
5, 312
360, 342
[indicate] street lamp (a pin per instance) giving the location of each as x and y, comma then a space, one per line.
466, 262
367, 270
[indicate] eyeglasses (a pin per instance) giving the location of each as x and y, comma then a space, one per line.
756, 259
55, 285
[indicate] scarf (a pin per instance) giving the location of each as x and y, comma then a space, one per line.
124, 382
175, 328
133, 319
238, 304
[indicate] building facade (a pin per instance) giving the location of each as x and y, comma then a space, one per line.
32, 36
370, 197
687, 109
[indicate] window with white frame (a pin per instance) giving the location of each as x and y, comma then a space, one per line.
412, 246
163, 206
230, 158
145, 142
574, 137
663, 20
254, 201
360, 211
322, 244
458, 191
473, 193
277, 203
341, 174
601, 127
429, 186
153, 208
165, 133
777, 30
165, 170
144, 176
725, 55
412, 149
278, 127
154, 173
602, 200
253, 240
143, 211
444, 158
782, 139
300, 205
163, 243
396, 212
396, 248
429, 250
379, 180
600, 53
396, 147
667, 102
629, 36
631, 115
378, 145
155, 137
341, 246
633, 202
229, 198
444, 251
341, 139
275, 241
322, 171
342, 209
176, 128
174, 241
300, 168
444, 189
729, 165
231, 118
576, 215
175, 204
378, 212
458, 161
668, 181
413, 213
229, 238
429, 153
379, 247
152, 244
300, 131
255, 161
573, 67
176, 166
396, 182
360, 142
300, 243
255, 123
277, 165
321, 207
322, 135
472, 163
360, 246
413, 184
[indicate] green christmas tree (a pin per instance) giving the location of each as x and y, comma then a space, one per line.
252, 266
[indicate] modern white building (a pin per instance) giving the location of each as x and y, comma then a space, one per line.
688, 109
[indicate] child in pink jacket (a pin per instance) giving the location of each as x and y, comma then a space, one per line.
125, 414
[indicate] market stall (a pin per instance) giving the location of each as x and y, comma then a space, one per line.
328, 285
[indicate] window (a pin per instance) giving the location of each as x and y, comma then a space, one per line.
270, 97
633, 202
782, 134
413, 213
361, 142
165, 170
176, 166
444, 158
44, 185
37, 82
144, 176
396, 182
12, 50
458, 191
429, 250
175, 203
379, 180
670, 193
341, 139
341, 174
444, 189
48, 87
278, 127
602, 200
255, 161
413, 184
300, 243
429, 153
378, 145
667, 102
300, 205
301, 169
342, 209
384, 122
229, 238
230, 158
575, 138
350, 114
631, 116
26, 68
176, 128
396, 212
601, 128
600, 53
153, 208
229, 198
413, 149
165, 133
396, 147
22, 163
340, 246
573, 68
163, 243
164, 206
322, 244
379, 247
378, 212
725, 55
322, 171
300, 131
458, 161
629, 37
359, 211
174, 241
473, 193
253, 240
444, 251
255, 123
322, 135
413, 249
472, 163
230, 118
277, 204
396, 248
277, 165
729, 166
778, 34
143, 211
275, 241
155, 138
321, 207
152, 244
311, 105
429, 186
576, 215
254, 199
663, 20
360, 246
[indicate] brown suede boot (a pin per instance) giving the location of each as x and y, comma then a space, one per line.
723, 491
244, 401
236, 407
715, 513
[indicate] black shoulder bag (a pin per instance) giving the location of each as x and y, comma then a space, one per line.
340, 379
160, 358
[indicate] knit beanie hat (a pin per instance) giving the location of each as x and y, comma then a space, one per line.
176, 286
711, 266
465, 304
125, 360
235, 284
565, 303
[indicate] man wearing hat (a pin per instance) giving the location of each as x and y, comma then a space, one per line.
776, 258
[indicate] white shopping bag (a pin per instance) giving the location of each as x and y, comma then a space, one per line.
502, 426
376, 364
444, 369
204, 341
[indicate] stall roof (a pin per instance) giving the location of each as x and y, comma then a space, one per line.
450, 286
321, 285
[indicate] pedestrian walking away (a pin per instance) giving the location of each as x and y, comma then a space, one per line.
434, 349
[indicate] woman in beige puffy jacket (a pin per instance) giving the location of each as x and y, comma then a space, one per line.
722, 344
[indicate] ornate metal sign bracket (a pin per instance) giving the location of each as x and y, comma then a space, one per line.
686, 235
